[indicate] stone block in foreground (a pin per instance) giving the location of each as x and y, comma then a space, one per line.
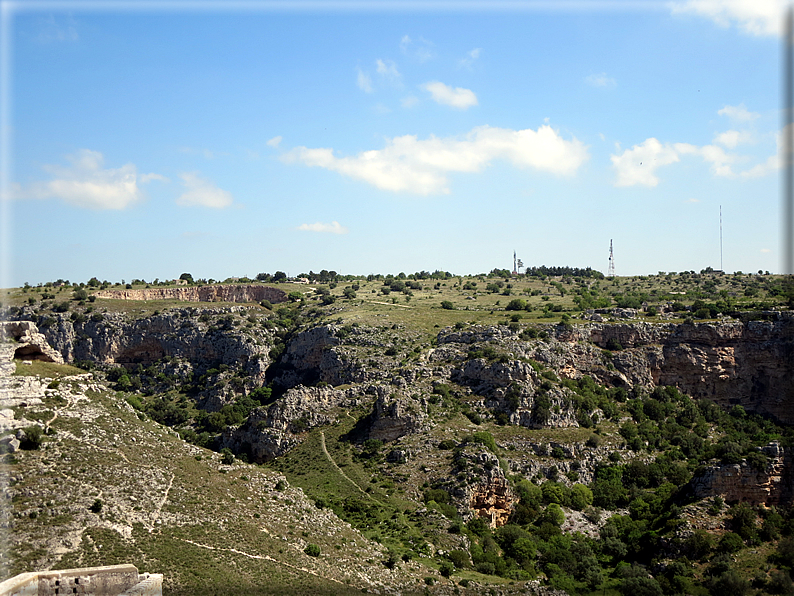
112, 580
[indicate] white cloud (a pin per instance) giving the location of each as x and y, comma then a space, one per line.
85, 183
600, 80
765, 250
408, 164
275, 141
388, 71
420, 49
470, 58
364, 82
149, 177
457, 98
638, 165
409, 102
756, 17
202, 193
739, 113
331, 228
732, 138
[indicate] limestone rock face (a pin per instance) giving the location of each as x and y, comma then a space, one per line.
493, 501
114, 338
483, 376
395, 416
485, 492
310, 358
272, 431
213, 293
28, 343
773, 485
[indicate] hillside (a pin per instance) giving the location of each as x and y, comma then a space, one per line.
409, 434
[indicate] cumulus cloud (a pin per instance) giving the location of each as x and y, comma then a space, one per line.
600, 80
409, 102
470, 58
732, 138
275, 141
638, 165
458, 97
201, 192
86, 183
364, 81
408, 164
755, 17
328, 228
739, 113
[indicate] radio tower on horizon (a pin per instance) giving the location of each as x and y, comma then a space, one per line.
611, 270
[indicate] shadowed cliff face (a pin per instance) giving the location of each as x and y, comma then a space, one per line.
730, 362
771, 485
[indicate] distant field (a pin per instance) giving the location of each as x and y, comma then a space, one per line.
439, 303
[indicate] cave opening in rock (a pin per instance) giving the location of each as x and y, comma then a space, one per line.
31, 352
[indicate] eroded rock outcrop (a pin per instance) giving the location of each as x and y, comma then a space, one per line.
212, 293
26, 343
201, 337
394, 416
729, 362
770, 485
272, 431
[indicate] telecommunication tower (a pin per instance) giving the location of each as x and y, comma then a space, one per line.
611, 270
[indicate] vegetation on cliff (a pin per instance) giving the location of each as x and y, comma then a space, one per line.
477, 430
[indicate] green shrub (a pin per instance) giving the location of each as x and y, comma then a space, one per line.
34, 437
447, 305
228, 456
312, 550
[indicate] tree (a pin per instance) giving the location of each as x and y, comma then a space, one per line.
447, 305
187, 277
279, 276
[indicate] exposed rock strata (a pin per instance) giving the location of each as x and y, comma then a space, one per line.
115, 338
213, 293
728, 362
772, 485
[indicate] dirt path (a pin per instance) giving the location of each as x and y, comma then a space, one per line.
389, 304
263, 558
338, 469
159, 507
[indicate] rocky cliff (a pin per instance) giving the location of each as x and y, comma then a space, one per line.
213, 293
769, 485
730, 362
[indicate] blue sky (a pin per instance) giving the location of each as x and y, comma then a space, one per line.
147, 140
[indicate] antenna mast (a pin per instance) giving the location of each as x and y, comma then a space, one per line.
721, 269
611, 270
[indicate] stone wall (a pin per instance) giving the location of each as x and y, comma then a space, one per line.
113, 580
213, 293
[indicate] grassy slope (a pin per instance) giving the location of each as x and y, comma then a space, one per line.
159, 497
